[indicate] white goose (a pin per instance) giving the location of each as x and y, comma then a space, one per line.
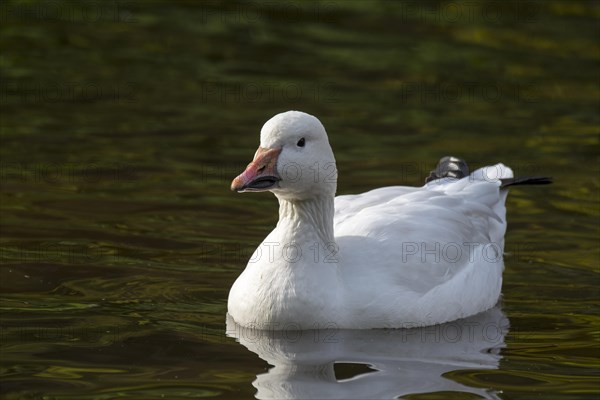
393, 257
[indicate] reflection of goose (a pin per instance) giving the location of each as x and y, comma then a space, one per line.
389, 258
404, 361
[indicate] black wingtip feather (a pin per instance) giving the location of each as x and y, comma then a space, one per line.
531, 180
454, 167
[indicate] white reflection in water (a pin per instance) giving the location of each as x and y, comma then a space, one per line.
404, 361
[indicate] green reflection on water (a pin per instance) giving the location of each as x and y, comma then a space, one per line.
122, 128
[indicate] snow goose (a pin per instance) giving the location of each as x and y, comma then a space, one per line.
392, 257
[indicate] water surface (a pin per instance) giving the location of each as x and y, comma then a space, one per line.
123, 124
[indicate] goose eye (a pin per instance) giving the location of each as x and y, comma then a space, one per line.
301, 142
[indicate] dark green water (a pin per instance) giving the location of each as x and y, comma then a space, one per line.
123, 124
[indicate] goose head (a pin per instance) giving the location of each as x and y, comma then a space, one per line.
294, 160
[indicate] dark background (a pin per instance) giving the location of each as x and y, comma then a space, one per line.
123, 123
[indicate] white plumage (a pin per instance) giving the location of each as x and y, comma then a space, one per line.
392, 257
